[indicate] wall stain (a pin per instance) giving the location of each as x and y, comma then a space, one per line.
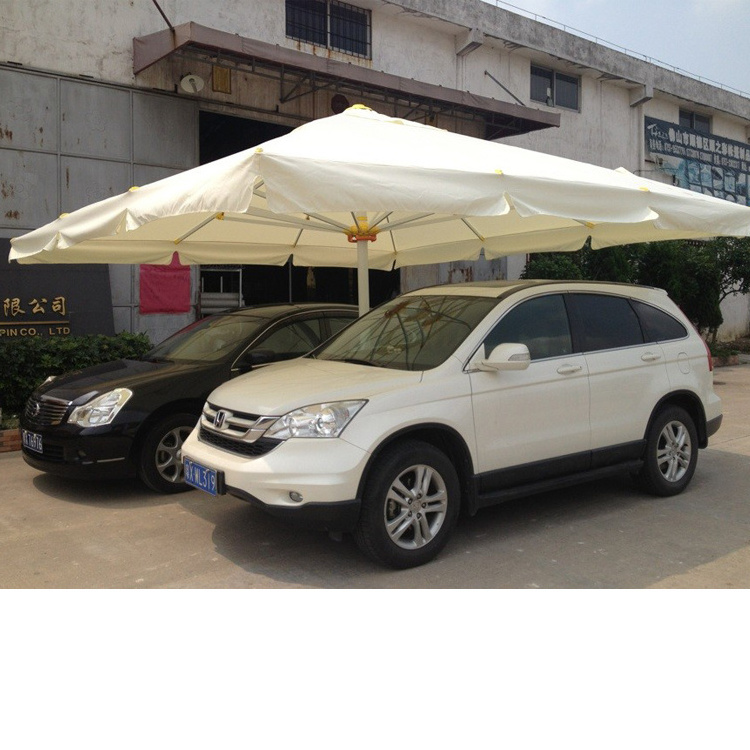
460, 275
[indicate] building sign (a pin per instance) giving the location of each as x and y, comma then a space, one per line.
700, 162
25, 318
42, 300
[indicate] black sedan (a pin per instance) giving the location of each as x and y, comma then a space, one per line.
129, 418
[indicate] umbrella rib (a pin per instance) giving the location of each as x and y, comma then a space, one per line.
330, 222
219, 215
380, 219
412, 220
280, 219
478, 235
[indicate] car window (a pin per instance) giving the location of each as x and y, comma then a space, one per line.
409, 333
314, 328
608, 322
290, 338
209, 339
540, 323
658, 325
338, 324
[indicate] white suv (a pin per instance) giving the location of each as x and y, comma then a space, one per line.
459, 397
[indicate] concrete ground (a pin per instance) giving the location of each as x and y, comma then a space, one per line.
57, 533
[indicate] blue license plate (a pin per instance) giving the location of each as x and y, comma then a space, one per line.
32, 441
201, 477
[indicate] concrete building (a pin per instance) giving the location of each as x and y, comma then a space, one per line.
96, 96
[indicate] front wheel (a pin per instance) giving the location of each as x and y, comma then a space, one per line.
671, 453
161, 455
410, 505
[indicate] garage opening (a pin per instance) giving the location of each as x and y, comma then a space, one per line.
224, 287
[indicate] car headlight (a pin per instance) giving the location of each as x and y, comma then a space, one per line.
101, 410
318, 420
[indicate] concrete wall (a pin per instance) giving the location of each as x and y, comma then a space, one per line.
70, 142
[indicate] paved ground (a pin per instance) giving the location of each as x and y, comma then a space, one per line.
56, 533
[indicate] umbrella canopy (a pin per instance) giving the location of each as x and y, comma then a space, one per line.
363, 190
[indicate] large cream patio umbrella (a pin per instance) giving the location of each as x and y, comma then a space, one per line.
363, 190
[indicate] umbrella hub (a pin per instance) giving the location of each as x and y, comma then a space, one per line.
355, 235
362, 231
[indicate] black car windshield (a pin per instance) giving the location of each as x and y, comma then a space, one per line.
408, 333
208, 340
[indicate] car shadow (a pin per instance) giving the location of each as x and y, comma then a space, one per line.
603, 534
107, 493
284, 553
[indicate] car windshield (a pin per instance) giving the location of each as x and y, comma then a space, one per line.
408, 333
207, 340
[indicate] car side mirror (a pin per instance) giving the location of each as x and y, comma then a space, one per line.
254, 358
506, 357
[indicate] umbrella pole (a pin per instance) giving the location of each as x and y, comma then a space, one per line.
363, 277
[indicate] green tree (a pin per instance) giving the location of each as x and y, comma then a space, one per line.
698, 275
617, 263
608, 264
555, 266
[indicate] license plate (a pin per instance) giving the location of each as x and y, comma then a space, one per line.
32, 441
202, 477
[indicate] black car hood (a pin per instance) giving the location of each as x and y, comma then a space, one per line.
121, 373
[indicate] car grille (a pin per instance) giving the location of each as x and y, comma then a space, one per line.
45, 412
258, 448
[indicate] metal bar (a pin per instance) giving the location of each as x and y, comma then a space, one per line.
479, 236
163, 15
363, 277
504, 88
219, 215
410, 220
329, 221
272, 219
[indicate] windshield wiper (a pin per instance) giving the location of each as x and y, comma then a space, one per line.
365, 362
157, 359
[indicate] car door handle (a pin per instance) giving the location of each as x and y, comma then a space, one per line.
650, 357
568, 369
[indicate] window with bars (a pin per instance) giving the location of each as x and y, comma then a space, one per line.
701, 123
555, 89
332, 24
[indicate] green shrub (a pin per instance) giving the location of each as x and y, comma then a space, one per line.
30, 361
722, 349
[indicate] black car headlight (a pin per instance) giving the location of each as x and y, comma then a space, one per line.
100, 410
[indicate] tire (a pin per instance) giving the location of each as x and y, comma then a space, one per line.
671, 453
409, 506
160, 467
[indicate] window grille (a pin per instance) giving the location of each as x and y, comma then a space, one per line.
701, 123
331, 24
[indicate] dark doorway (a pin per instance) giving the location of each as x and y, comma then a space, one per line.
222, 135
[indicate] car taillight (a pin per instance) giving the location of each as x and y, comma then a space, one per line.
710, 358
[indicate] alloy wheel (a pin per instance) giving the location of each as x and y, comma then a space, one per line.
415, 507
673, 451
169, 454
